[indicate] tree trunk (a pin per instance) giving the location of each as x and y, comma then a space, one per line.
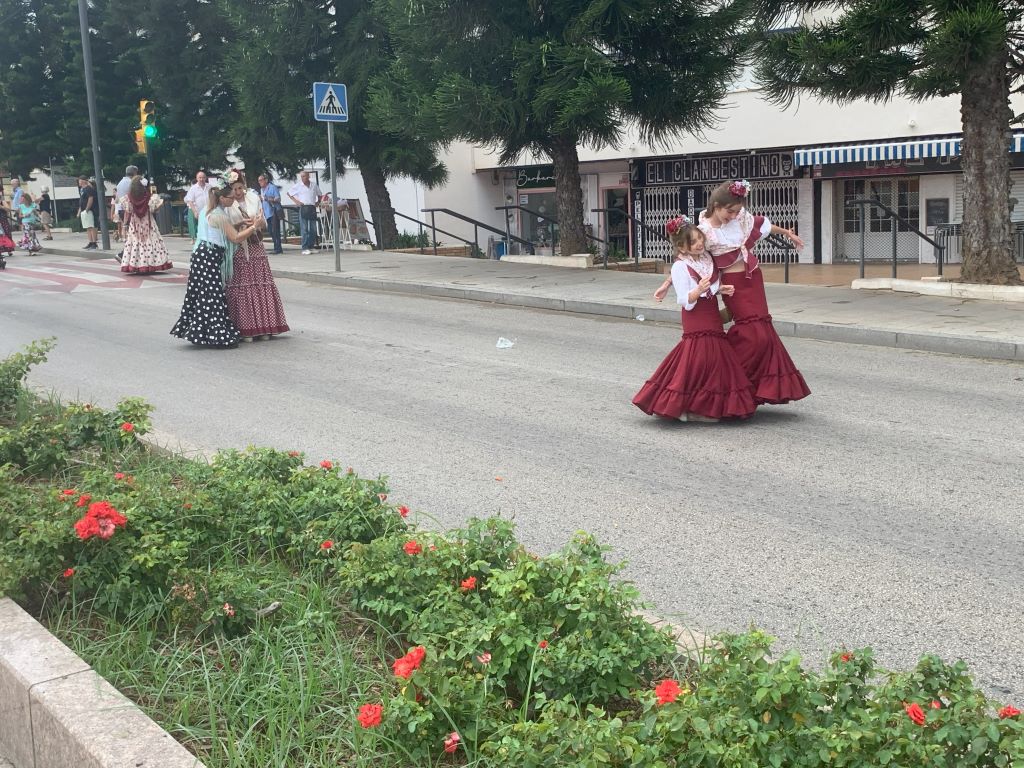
985, 111
380, 202
569, 196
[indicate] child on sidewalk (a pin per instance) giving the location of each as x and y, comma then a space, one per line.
700, 379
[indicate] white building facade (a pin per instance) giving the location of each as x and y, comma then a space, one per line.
807, 165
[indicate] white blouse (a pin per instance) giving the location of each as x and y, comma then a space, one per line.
731, 235
683, 283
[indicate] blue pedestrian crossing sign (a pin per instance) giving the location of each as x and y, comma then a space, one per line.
330, 102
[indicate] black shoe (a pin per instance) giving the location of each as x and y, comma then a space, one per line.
91, 247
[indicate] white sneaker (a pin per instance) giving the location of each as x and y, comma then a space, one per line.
307, 253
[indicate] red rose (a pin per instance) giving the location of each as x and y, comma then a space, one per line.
846, 656
350, 471
186, 505
383, 497
83, 500
936, 704
1008, 711
403, 511
327, 544
405, 666
468, 584
542, 644
667, 691
293, 454
915, 713
452, 742
484, 658
326, 464
412, 548
127, 427
119, 475
228, 610
69, 572
369, 715
68, 492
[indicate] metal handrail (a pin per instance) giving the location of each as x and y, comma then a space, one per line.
476, 226
647, 227
863, 202
540, 215
424, 224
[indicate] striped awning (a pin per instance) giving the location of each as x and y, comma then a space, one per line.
947, 146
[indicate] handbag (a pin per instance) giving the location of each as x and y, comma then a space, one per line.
307, 212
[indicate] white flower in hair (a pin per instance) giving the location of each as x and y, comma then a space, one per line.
740, 188
144, 181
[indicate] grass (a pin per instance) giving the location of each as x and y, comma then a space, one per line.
285, 694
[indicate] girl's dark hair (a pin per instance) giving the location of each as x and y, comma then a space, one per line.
684, 236
722, 197
137, 189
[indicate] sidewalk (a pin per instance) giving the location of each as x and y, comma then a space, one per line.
976, 328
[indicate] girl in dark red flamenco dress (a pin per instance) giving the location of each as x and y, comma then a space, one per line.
701, 379
731, 233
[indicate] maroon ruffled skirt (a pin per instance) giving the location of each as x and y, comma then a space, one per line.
701, 374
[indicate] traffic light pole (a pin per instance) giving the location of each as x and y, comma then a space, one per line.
149, 160
94, 128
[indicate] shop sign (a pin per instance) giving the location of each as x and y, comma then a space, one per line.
708, 169
537, 177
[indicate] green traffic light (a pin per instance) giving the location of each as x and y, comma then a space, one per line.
150, 131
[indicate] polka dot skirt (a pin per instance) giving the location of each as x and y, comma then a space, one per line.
204, 315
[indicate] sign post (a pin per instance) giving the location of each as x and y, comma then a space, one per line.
330, 105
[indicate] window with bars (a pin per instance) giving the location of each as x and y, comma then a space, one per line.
902, 195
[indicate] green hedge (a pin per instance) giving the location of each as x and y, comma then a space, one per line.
501, 658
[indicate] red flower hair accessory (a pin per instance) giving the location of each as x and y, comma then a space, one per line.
674, 225
740, 188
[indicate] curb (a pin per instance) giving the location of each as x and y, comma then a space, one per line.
966, 346
56, 712
942, 288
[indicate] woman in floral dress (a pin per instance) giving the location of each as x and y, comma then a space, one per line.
144, 249
253, 300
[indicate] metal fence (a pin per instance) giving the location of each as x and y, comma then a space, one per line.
951, 236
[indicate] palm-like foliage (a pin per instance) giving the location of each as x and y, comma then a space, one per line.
545, 77
877, 49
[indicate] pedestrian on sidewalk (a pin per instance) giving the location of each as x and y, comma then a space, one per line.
117, 203
204, 319
144, 249
305, 194
273, 212
732, 232
87, 210
253, 299
196, 200
29, 213
16, 193
701, 379
46, 213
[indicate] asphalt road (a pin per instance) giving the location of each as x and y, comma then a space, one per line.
884, 510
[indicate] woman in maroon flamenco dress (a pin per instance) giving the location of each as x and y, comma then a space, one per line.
253, 299
731, 233
701, 379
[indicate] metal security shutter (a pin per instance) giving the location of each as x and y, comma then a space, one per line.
1016, 190
776, 199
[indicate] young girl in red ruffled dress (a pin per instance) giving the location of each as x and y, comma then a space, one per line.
732, 231
701, 379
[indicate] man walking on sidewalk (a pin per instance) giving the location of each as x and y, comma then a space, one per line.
87, 210
271, 197
195, 199
119, 194
306, 194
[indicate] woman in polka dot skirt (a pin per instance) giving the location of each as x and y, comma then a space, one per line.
144, 249
204, 315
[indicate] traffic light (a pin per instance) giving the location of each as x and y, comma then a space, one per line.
147, 118
140, 141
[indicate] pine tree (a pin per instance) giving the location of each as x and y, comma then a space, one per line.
875, 49
282, 48
536, 77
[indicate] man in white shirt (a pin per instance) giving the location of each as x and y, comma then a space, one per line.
195, 199
306, 194
116, 207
